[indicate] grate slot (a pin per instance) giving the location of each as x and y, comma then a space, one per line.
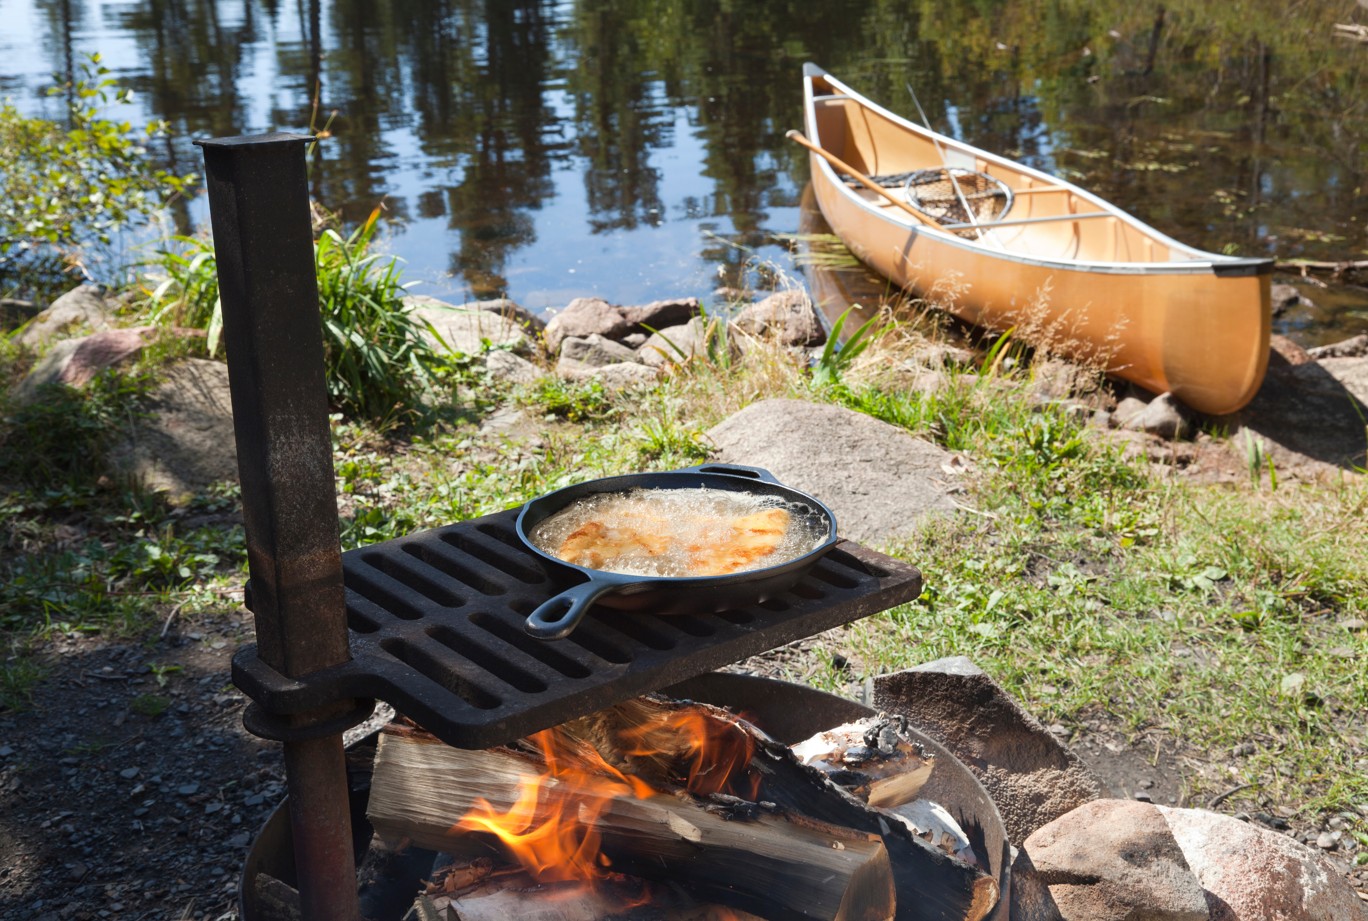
451, 562
492, 662
398, 569
637, 627
522, 566
834, 577
808, 591
861, 567
439, 669
545, 653
738, 617
776, 605
693, 626
592, 638
383, 592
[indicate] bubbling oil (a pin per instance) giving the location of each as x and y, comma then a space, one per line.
680, 532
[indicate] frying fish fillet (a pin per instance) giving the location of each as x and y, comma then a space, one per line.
629, 535
752, 537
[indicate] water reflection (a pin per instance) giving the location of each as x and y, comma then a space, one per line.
634, 149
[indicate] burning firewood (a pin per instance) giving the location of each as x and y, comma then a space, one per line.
586, 821
674, 791
873, 758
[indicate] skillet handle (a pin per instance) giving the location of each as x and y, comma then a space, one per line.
549, 622
739, 470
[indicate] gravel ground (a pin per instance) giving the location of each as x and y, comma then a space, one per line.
110, 809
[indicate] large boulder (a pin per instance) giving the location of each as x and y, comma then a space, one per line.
80, 308
186, 440
660, 314
1254, 874
1108, 860
596, 350
1353, 347
880, 481
75, 362
1032, 778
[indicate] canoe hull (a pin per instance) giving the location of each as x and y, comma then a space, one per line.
1199, 330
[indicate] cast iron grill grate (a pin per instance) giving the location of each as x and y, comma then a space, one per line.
436, 629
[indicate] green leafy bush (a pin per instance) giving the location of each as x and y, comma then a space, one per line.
64, 186
378, 361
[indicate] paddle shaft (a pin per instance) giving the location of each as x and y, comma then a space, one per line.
795, 135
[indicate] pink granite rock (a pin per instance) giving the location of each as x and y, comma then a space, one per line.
1254, 874
1112, 860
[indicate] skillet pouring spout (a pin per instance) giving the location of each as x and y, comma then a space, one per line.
634, 595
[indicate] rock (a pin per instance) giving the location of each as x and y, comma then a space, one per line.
1252, 874
583, 317
664, 348
627, 375
786, 317
1057, 379
79, 308
1308, 413
1108, 860
503, 365
1285, 297
502, 306
1126, 410
1031, 777
1163, 416
1353, 347
186, 441
103, 350
660, 314
596, 350
47, 370
880, 482
466, 331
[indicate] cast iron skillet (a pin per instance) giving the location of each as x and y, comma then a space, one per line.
556, 617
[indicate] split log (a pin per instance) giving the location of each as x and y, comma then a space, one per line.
781, 866
518, 895
873, 758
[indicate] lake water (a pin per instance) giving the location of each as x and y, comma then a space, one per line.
635, 150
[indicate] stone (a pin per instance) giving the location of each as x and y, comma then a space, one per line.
596, 350
503, 365
1057, 379
468, 331
1107, 860
79, 308
786, 317
104, 350
502, 306
665, 346
1163, 416
627, 375
1353, 347
1253, 874
1126, 410
881, 482
1030, 775
47, 370
1285, 297
1308, 413
660, 314
186, 441
583, 317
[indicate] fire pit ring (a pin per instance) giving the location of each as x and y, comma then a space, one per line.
788, 712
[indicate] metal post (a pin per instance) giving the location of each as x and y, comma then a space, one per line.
263, 240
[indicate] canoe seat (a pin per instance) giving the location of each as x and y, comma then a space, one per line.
951, 196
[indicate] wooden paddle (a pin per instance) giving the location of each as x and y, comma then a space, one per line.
928, 220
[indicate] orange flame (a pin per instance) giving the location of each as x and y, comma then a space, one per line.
551, 831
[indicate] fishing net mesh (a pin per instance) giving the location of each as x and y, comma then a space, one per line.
932, 191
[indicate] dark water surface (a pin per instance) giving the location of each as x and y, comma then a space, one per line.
635, 150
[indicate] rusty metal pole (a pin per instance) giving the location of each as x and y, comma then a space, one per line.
263, 240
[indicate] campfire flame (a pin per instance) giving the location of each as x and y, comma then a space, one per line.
551, 831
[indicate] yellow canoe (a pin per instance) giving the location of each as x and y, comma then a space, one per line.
1012, 247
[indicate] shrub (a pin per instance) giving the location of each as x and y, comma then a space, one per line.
64, 187
377, 360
